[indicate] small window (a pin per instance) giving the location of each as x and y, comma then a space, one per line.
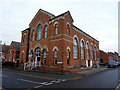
82, 51
56, 29
33, 36
68, 29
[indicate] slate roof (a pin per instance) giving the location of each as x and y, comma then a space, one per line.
16, 45
5, 48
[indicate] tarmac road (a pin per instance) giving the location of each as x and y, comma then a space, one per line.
104, 79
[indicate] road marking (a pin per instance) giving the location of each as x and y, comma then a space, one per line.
48, 84
3, 76
38, 86
29, 81
57, 81
43, 83
118, 87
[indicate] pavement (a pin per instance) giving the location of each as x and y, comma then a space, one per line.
55, 76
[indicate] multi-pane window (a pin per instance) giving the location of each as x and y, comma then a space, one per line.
87, 52
38, 53
75, 49
68, 57
82, 51
22, 56
68, 29
56, 29
95, 52
55, 57
33, 36
91, 53
44, 58
46, 32
39, 32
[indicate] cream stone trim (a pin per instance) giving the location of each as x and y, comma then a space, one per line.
68, 23
39, 23
83, 42
55, 23
75, 36
30, 50
55, 47
61, 39
45, 47
36, 46
68, 48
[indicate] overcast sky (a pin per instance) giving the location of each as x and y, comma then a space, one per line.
98, 18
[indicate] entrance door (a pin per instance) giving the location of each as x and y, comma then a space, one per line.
38, 54
88, 63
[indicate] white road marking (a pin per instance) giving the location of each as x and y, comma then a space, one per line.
48, 83
29, 81
118, 87
38, 86
57, 81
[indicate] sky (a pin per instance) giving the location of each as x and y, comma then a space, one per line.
98, 18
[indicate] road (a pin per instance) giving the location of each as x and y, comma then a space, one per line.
105, 79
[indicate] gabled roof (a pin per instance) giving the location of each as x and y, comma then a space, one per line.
43, 11
85, 33
5, 48
63, 15
26, 29
16, 45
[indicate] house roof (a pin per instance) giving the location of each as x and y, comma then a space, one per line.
5, 48
62, 15
41, 10
16, 45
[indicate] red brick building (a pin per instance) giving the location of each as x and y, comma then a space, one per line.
113, 56
4, 52
13, 52
103, 57
53, 43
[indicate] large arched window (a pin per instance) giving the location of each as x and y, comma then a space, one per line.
39, 32
95, 52
55, 57
91, 52
82, 50
56, 29
87, 51
46, 32
75, 49
68, 57
33, 38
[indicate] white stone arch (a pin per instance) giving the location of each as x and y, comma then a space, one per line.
75, 36
39, 23
32, 30
88, 44
56, 22
46, 24
68, 23
68, 48
82, 40
55, 47
45, 47
37, 46
30, 50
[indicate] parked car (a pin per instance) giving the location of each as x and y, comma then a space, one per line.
112, 64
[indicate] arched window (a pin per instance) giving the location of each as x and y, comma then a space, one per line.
87, 51
68, 29
95, 52
46, 32
33, 38
68, 57
75, 49
38, 55
91, 52
44, 57
55, 57
56, 29
24, 38
39, 32
82, 50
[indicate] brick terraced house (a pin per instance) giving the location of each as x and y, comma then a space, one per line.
53, 43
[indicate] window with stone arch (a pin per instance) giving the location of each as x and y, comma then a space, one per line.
45, 32
44, 56
68, 57
75, 53
95, 52
82, 50
55, 57
39, 32
91, 52
68, 29
87, 50
33, 35
56, 29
